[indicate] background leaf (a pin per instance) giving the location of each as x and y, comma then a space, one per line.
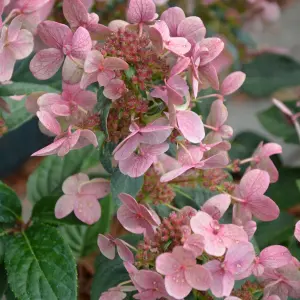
48, 178
40, 265
105, 156
10, 205
25, 88
103, 106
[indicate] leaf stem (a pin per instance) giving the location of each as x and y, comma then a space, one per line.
172, 207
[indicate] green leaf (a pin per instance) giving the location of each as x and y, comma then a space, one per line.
25, 88
110, 273
267, 73
130, 72
275, 122
48, 178
105, 156
82, 238
103, 106
294, 247
10, 205
40, 265
3, 281
18, 114
276, 232
121, 183
43, 212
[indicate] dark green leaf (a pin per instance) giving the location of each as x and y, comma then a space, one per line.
275, 232
10, 205
40, 265
48, 178
105, 155
268, 73
121, 183
3, 281
103, 106
294, 247
24, 88
278, 124
43, 212
82, 238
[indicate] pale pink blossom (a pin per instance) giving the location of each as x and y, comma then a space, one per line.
232, 83
238, 259
192, 158
217, 206
141, 11
217, 236
250, 199
297, 231
182, 273
62, 42
272, 257
98, 68
135, 217
108, 244
195, 244
115, 89
261, 159
81, 196
246, 222
15, 44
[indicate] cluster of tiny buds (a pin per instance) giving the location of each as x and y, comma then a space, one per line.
214, 178
173, 231
154, 191
235, 166
246, 290
131, 103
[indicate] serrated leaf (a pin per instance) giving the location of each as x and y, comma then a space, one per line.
278, 124
103, 106
24, 88
40, 265
10, 205
267, 73
48, 178
110, 273
121, 183
43, 212
82, 239
105, 156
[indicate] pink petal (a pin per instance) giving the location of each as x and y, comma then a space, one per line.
23, 45
191, 126
218, 114
115, 89
106, 246
72, 183
163, 29
86, 137
175, 87
46, 63
7, 64
174, 174
195, 244
215, 46
98, 187
114, 63
105, 77
210, 75
87, 209
156, 39
55, 34
267, 165
201, 223
192, 28
69, 143
264, 208
64, 206
31, 102
232, 83
297, 231
50, 149
88, 79
177, 286
140, 11
270, 149
86, 99
115, 25
94, 60
71, 72
178, 45
217, 206
155, 135
173, 16
75, 13
167, 264
234, 298
283, 107
123, 251
28, 6
181, 65
61, 109
184, 257
198, 277
150, 280
190, 155
49, 122
154, 150
275, 257
219, 160
129, 201
127, 148
81, 43
46, 101
233, 234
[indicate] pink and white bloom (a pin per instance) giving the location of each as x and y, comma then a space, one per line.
238, 259
98, 68
217, 236
15, 44
250, 199
261, 159
71, 100
107, 245
192, 158
217, 205
216, 120
141, 11
135, 217
182, 273
297, 231
138, 163
62, 42
272, 257
65, 141
81, 196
